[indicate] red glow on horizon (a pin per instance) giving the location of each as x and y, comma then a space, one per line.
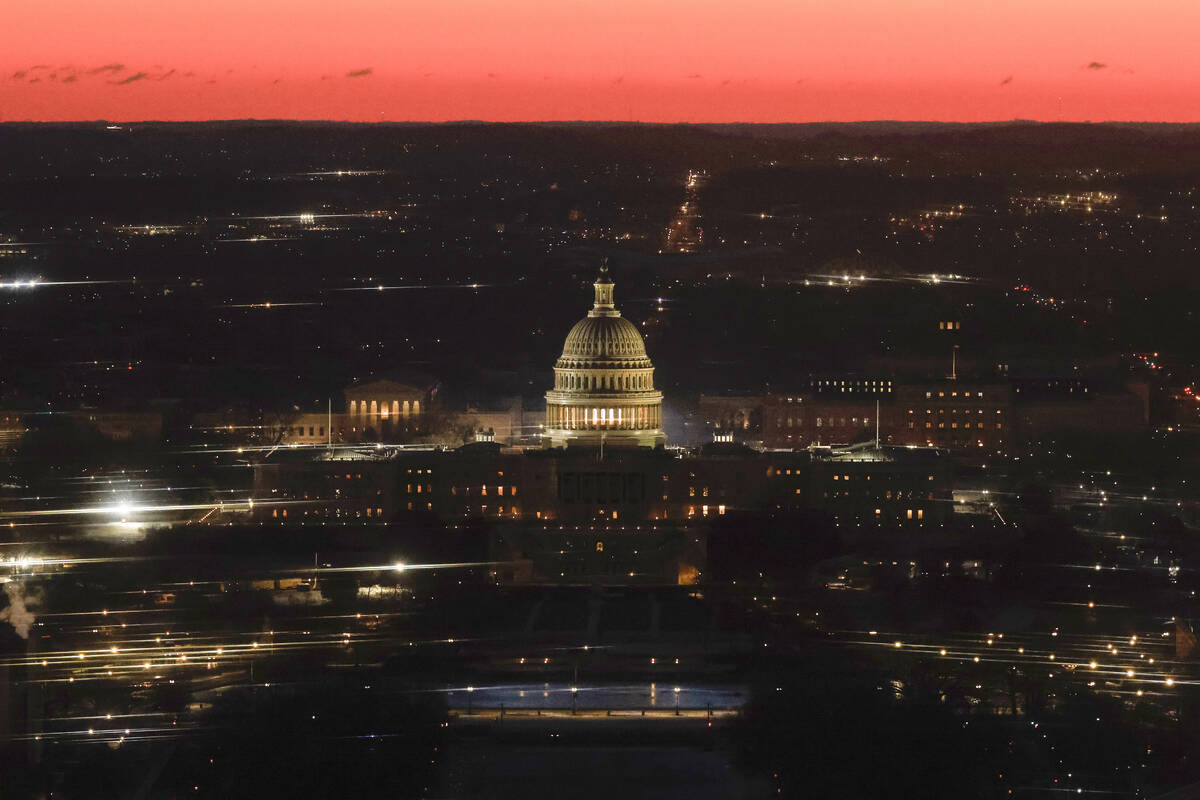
644, 60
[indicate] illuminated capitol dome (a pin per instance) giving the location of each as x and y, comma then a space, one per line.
604, 383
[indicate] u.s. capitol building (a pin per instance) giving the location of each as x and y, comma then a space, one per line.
604, 391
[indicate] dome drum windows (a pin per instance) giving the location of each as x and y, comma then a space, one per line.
592, 381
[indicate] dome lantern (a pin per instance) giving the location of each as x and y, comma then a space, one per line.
604, 294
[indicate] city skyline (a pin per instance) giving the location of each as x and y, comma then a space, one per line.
507, 399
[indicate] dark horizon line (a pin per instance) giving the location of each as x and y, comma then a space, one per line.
639, 123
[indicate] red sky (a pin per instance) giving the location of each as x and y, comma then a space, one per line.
648, 60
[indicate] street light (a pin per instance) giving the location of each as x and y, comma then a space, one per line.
677, 701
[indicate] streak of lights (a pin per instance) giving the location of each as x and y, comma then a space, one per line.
126, 509
270, 304
258, 239
305, 216
139, 659
384, 288
37, 283
112, 735
402, 567
344, 173
846, 280
1094, 657
29, 562
140, 488
359, 449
